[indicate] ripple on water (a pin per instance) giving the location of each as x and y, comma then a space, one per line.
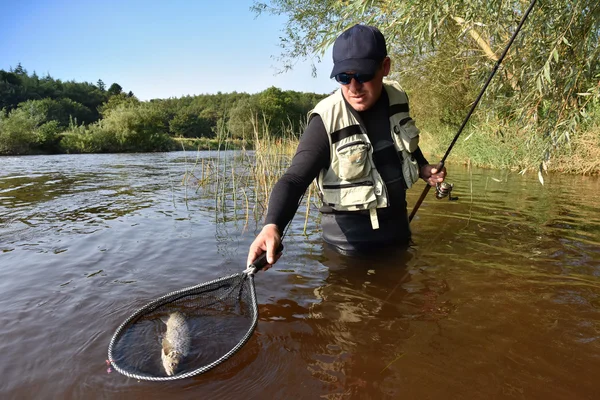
498, 297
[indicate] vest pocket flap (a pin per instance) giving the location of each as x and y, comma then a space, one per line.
354, 196
353, 160
409, 135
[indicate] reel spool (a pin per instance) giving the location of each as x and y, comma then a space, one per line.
444, 189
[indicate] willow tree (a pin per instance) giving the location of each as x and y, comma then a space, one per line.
547, 84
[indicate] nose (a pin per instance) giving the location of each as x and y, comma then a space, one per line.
354, 85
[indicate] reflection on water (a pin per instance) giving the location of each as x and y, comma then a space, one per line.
498, 298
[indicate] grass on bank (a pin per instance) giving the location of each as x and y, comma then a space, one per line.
192, 144
513, 148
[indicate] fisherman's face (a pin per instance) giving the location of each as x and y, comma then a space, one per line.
362, 96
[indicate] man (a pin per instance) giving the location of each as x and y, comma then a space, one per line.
361, 146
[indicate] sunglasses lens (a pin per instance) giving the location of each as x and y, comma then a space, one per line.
362, 78
345, 78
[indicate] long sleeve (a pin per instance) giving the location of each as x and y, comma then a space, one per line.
312, 155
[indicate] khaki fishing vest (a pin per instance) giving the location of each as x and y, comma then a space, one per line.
352, 182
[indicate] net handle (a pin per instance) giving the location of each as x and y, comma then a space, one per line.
261, 261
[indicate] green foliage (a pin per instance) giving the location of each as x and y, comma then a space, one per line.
271, 110
115, 89
62, 111
125, 130
211, 144
91, 139
48, 137
26, 132
17, 132
241, 117
142, 128
18, 86
48, 115
189, 124
444, 52
118, 101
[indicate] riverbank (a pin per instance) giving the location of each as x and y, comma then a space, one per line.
493, 147
487, 147
191, 144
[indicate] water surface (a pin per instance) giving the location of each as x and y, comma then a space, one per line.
498, 298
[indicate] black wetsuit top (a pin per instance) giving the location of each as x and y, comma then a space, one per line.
351, 230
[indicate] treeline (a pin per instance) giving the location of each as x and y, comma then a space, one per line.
46, 115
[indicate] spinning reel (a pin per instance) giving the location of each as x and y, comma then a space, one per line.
444, 189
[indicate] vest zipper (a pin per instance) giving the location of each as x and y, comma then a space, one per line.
352, 144
348, 185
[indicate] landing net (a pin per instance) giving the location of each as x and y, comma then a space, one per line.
202, 326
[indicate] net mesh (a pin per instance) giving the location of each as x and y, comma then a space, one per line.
206, 324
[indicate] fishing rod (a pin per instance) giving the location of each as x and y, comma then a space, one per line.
445, 189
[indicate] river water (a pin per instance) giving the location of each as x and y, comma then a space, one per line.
498, 298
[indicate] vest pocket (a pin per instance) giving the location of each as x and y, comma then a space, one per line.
353, 196
353, 160
410, 169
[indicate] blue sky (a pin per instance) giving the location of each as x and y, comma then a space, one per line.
157, 49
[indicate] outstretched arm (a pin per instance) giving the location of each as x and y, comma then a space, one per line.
312, 155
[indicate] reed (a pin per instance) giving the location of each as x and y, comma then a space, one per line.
241, 181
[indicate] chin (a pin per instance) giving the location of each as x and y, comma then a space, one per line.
362, 106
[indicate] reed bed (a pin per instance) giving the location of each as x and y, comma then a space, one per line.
241, 181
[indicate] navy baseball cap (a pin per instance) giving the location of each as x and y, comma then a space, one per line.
360, 48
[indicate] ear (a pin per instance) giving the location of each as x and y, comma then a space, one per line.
387, 65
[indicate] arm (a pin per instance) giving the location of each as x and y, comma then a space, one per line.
312, 155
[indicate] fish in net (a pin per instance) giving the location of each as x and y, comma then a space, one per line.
189, 331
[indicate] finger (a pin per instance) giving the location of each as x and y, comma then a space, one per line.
433, 171
271, 253
253, 253
270, 264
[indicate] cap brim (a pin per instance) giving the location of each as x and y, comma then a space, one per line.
356, 65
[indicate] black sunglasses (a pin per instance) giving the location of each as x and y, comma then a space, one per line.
345, 78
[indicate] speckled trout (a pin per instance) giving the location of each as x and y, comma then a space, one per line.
176, 342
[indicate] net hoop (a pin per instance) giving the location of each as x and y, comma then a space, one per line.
172, 296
